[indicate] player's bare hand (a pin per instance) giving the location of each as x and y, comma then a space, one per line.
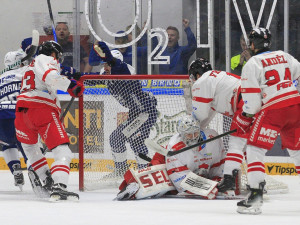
185, 23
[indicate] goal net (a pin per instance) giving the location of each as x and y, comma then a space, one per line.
106, 150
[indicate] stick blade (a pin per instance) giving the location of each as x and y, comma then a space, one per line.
35, 37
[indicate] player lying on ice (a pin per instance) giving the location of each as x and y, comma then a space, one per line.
193, 173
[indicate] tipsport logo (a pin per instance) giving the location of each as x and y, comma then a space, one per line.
281, 169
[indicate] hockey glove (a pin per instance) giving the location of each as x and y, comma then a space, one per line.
242, 124
70, 72
75, 88
26, 44
103, 51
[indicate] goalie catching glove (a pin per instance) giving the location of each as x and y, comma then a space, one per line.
75, 88
103, 51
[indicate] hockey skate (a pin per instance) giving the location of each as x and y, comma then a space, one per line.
252, 204
59, 192
228, 185
18, 176
128, 192
36, 184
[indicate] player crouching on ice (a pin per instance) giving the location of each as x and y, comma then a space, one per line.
193, 173
37, 113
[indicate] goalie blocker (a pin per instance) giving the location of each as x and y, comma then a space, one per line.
154, 182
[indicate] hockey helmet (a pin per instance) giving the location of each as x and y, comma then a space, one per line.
189, 129
198, 66
47, 47
260, 37
13, 59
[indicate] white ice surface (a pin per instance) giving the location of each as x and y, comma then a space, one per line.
23, 208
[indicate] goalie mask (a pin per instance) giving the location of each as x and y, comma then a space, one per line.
47, 47
198, 66
261, 38
189, 129
13, 59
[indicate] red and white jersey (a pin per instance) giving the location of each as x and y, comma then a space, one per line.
215, 91
206, 160
267, 81
40, 83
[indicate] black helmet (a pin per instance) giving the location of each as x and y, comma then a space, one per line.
47, 47
260, 37
198, 66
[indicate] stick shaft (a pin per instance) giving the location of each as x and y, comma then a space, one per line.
67, 109
52, 19
171, 153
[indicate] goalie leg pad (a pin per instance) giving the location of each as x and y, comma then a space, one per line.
151, 182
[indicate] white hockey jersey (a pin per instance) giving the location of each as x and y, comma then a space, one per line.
10, 85
267, 81
215, 91
206, 160
40, 83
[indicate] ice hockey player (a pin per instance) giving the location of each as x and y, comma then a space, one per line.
37, 113
218, 91
10, 84
179, 174
268, 91
142, 113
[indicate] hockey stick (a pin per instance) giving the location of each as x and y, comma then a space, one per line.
52, 20
156, 147
31, 52
67, 109
144, 157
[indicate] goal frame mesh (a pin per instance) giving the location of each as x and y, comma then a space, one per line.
81, 108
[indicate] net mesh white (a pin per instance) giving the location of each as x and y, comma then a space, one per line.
110, 105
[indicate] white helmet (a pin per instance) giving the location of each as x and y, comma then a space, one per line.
117, 54
11, 59
189, 129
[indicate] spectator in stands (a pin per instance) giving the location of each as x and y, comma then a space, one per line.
63, 34
238, 61
179, 55
94, 59
143, 41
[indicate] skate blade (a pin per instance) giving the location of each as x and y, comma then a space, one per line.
58, 198
255, 210
20, 186
229, 195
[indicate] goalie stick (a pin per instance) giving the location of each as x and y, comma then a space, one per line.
156, 147
31, 52
52, 20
